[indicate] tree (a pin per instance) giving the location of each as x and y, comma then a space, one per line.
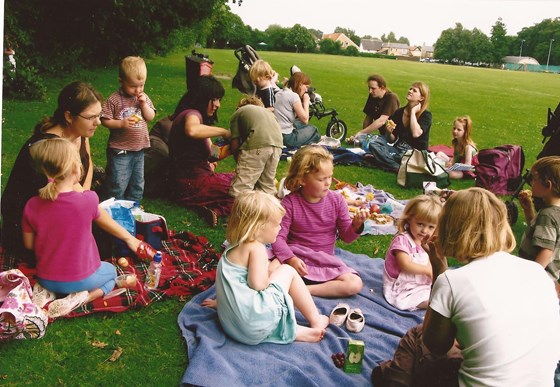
318, 34
329, 46
277, 37
301, 39
228, 30
454, 44
499, 40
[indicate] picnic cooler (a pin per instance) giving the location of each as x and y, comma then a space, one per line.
197, 65
418, 166
151, 228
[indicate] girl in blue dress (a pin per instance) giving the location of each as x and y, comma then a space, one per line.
253, 306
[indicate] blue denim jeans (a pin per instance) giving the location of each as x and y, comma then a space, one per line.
125, 173
301, 135
103, 278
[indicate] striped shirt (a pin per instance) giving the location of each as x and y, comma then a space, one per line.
120, 106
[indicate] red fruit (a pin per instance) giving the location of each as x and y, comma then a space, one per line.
374, 208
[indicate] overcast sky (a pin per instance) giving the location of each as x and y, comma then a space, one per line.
420, 21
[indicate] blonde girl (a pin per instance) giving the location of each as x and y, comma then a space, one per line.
252, 306
315, 217
57, 227
501, 310
407, 277
464, 148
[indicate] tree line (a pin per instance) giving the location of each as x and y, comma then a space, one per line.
57, 36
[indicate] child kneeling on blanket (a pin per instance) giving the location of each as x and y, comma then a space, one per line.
57, 227
252, 306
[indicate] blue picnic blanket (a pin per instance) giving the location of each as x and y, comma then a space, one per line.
216, 360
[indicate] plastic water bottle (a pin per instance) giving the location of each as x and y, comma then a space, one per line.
154, 272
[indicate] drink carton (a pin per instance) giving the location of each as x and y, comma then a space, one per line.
354, 356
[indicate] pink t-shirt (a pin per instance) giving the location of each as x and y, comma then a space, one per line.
64, 244
401, 242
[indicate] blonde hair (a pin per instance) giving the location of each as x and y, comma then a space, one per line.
260, 70
250, 212
422, 207
250, 100
305, 161
548, 168
474, 224
424, 92
460, 145
58, 159
133, 68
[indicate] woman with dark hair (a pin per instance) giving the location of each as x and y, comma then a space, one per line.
407, 128
292, 112
76, 118
196, 185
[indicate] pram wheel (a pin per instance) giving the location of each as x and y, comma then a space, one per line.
337, 129
512, 212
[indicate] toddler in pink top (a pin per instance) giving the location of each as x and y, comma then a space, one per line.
57, 227
315, 217
407, 279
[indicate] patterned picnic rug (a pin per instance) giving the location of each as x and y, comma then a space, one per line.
189, 267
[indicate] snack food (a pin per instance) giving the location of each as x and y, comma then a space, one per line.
525, 194
390, 124
381, 218
136, 117
122, 262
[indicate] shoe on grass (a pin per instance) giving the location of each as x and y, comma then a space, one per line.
41, 296
63, 306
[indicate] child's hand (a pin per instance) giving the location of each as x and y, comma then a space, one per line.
298, 264
437, 259
141, 99
210, 303
130, 122
359, 218
525, 198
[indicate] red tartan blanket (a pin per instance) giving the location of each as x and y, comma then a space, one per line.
189, 267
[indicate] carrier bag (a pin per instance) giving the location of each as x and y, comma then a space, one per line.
500, 169
122, 212
20, 318
418, 166
151, 228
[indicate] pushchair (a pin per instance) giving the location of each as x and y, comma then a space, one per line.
246, 55
552, 148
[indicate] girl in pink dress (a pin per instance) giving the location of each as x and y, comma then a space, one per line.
315, 217
407, 278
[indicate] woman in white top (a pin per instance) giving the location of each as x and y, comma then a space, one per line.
292, 112
500, 310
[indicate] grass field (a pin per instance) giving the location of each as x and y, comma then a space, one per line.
506, 107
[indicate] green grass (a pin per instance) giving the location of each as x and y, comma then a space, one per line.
506, 107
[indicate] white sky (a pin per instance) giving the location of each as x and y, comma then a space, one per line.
420, 21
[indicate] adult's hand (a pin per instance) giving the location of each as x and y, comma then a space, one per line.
437, 259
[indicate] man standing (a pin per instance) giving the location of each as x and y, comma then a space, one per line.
380, 105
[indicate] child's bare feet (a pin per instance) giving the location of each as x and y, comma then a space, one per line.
321, 323
309, 335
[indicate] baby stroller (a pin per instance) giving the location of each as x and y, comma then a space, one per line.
551, 148
246, 55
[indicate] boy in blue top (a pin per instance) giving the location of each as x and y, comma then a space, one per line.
126, 113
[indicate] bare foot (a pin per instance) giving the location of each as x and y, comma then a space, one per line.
321, 323
309, 335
